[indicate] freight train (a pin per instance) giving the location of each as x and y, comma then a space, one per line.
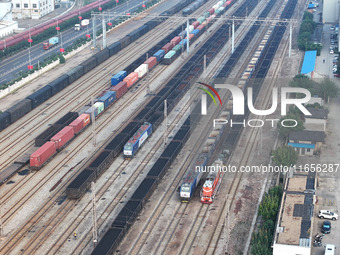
137, 140
110, 241
24, 106
122, 80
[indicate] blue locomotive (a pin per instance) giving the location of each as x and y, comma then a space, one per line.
136, 141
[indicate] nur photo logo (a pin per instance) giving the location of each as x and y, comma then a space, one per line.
204, 97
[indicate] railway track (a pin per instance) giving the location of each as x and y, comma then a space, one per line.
12, 139
13, 189
196, 226
35, 220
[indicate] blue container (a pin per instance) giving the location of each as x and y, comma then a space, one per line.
183, 42
108, 98
195, 32
159, 55
118, 77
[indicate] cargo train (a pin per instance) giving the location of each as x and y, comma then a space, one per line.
137, 140
111, 239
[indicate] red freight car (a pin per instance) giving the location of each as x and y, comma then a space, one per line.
151, 61
175, 40
120, 89
79, 123
131, 79
63, 136
196, 24
190, 36
200, 27
41, 155
167, 47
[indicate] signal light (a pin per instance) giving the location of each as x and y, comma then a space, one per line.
80, 17
88, 36
30, 67
100, 8
30, 40
109, 24
62, 50
57, 28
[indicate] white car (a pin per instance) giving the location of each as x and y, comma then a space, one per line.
329, 249
325, 214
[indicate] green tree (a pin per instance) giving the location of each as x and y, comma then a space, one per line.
303, 81
61, 59
285, 156
328, 89
284, 131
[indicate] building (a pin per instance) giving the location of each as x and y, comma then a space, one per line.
330, 12
318, 120
31, 9
293, 230
306, 142
309, 63
7, 25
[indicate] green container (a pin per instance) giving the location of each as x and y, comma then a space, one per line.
177, 48
201, 19
99, 106
217, 11
170, 54
206, 14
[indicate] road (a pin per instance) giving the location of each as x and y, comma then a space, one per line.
10, 68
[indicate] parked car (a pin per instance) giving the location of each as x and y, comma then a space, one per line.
325, 214
329, 249
331, 51
332, 28
326, 227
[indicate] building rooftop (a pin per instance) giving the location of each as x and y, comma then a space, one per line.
317, 113
308, 62
296, 213
307, 135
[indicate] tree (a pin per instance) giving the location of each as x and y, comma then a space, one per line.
285, 156
289, 122
303, 81
328, 89
61, 59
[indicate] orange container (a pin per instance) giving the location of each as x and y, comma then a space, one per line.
131, 79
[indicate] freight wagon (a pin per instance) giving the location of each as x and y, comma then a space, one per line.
137, 140
118, 77
192, 179
42, 155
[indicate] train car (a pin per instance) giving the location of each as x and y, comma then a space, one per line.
42, 155
108, 98
210, 187
63, 137
80, 123
131, 79
191, 180
142, 70
151, 62
137, 140
120, 89
159, 55
118, 77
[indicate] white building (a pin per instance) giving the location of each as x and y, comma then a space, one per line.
330, 12
7, 26
31, 9
293, 229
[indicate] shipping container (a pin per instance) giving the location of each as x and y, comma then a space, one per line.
131, 79
100, 107
211, 11
159, 55
108, 98
40, 156
191, 27
151, 62
120, 89
201, 27
142, 70
183, 42
167, 47
175, 40
118, 77
196, 24
190, 36
182, 34
201, 19
195, 32
177, 48
90, 110
63, 136
79, 123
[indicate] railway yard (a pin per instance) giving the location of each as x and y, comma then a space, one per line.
136, 198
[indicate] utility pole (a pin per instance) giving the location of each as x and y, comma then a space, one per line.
94, 30
290, 39
204, 63
104, 32
187, 36
233, 37
94, 216
93, 123
165, 136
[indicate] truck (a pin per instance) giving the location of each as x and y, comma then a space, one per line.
51, 43
83, 23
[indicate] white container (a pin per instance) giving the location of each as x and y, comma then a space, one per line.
142, 70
